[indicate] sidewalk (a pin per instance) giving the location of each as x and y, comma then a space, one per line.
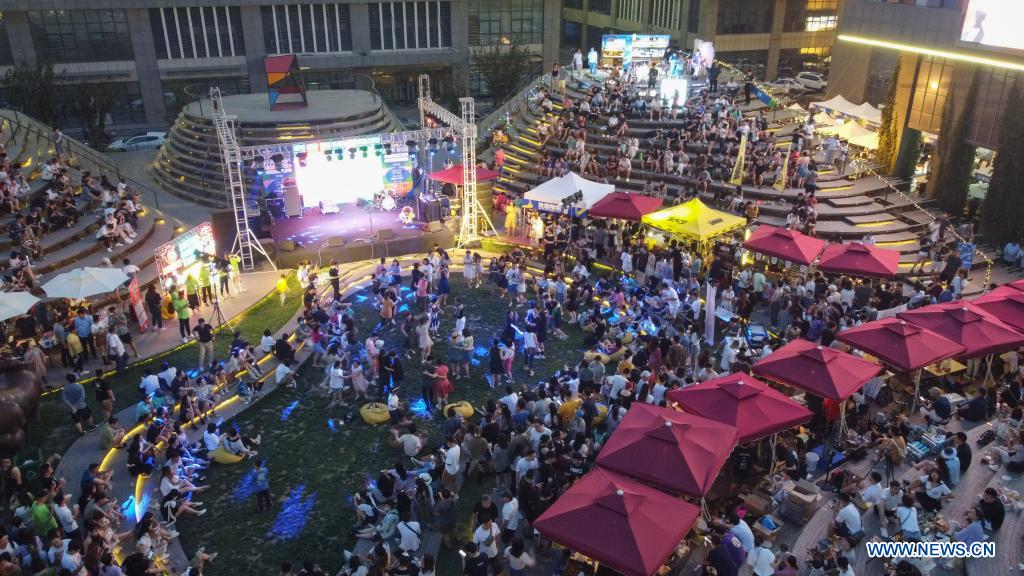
158, 342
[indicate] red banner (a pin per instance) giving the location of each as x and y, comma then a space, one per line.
137, 304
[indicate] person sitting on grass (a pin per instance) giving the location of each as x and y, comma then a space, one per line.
411, 442
234, 443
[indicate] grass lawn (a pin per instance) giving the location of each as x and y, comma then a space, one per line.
315, 466
53, 431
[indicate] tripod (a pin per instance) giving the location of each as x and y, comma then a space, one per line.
218, 315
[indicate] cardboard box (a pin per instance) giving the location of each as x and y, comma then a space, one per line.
800, 505
759, 528
758, 503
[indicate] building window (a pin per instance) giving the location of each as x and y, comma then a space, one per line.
328, 79
601, 6
506, 22
666, 14
594, 36
632, 10
306, 28
577, 4
178, 93
80, 35
810, 15
930, 93
6, 57
693, 16
993, 91
812, 59
410, 25
127, 109
572, 33
197, 32
745, 16
748, 61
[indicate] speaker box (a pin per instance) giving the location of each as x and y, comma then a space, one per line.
433, 226
335, 241
286, 246
386, 234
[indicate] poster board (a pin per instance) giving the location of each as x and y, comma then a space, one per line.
627, 49
185, 254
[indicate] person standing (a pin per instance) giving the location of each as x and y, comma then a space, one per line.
335, 278
83, 327
153, 302
236, 277
205, 285
183, 313
58, 147
205, 337
282, 288
262, 482
577, 62
73, 396
116, 352
592, 61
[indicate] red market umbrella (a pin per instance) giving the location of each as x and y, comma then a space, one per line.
824, 372
1005, 303
1016, 285
629, 526
678, 452
625, 206
859, 259
900, 343
967, 324
785, 244
453, 175
756, 409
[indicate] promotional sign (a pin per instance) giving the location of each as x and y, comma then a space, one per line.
137, 304
994, 23
625, 49
182, 256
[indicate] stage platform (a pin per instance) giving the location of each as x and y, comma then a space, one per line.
348, 236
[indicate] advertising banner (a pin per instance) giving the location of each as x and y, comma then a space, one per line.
137, 304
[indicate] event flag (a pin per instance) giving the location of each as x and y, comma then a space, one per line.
741, 158
780, 181
709, 314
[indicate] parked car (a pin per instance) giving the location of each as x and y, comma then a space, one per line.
812, 80
786, 86
147, 141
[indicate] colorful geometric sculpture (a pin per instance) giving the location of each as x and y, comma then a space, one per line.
284, 82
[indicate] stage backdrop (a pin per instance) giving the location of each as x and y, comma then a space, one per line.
333, 174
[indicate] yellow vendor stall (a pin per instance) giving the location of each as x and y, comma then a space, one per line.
694, 221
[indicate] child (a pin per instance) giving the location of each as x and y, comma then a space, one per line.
244, 391
263, 501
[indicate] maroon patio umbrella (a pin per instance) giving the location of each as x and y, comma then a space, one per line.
1005, 303
756, 409
967, 324
785, 244
625, 206
453, 175
619, 522
678, 452
857, 259
900, 343
1016, 285
825, 372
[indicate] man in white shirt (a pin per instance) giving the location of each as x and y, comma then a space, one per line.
509, 517
872, 495
452, 464
761, 559
741, 530
536, 432
486, 538
167, 373
409, 536
887, 504
510, 399
284, 375
848, 518
210, 438
150, 383
527, 462
116, 352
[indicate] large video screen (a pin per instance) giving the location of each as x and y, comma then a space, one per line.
328, 178
994, 23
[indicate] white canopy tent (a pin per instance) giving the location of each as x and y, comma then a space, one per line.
853, 133
549, 195
840, 105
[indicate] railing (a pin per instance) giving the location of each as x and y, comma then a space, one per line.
368, 84
503, 115
25, 129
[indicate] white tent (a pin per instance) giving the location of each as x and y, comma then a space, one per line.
854, 134
549, 195
821, 120
836, 104
868, 112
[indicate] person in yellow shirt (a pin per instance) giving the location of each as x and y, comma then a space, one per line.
282, 288
76, 351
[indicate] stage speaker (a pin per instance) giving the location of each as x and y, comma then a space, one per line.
434, 226
335, 241
292, 202
286, 246
386, 234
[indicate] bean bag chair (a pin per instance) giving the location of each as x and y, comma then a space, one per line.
465, 409
589, 355
375, 413
222, 456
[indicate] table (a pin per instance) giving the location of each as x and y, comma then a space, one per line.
952, 368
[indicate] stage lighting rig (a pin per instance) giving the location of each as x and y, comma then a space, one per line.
329, 154
364, 150
352, 153
377, 149
339, 153
302, 159
278, 160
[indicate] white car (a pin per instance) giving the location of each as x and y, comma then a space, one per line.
785, 86
812, 80
147, 141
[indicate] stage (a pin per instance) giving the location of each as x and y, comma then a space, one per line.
349, 236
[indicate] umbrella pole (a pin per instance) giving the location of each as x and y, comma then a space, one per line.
988, 370
773, 443
842, 423
704, 513
917, 391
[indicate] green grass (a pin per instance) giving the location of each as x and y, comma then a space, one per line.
53, 431
306, 457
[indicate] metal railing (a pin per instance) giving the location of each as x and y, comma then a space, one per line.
26, 130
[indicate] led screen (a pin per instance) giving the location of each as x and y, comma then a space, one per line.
994, 23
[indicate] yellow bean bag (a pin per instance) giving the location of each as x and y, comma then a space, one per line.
461, 407
375, 413
567, 411
627, 338
589, 355
222, 456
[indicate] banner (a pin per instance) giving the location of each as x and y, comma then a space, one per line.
741, 158
137, 304
780, 182
709, 315
764, 97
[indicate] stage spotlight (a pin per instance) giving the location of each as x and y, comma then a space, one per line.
352, 152
278, 160
410, 144
432, 142
387, 149
340, 153
302, 159
364, 149
259, 162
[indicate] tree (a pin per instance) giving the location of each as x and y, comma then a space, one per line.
888, 132
910, 151
955, 154
503, 68
32, 89
90, 105
1003, 210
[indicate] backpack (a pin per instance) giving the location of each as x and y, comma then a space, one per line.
986, 437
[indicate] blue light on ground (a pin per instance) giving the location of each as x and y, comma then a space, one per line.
474, 361
648, 327
480, 351
245, 488
128, 506
141, 506
330, 424
286, 412
405, 289
193, 373
361, 298
294, 514
403, 308
419, 408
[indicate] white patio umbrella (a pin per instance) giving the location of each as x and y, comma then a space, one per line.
14, 304
85, 282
